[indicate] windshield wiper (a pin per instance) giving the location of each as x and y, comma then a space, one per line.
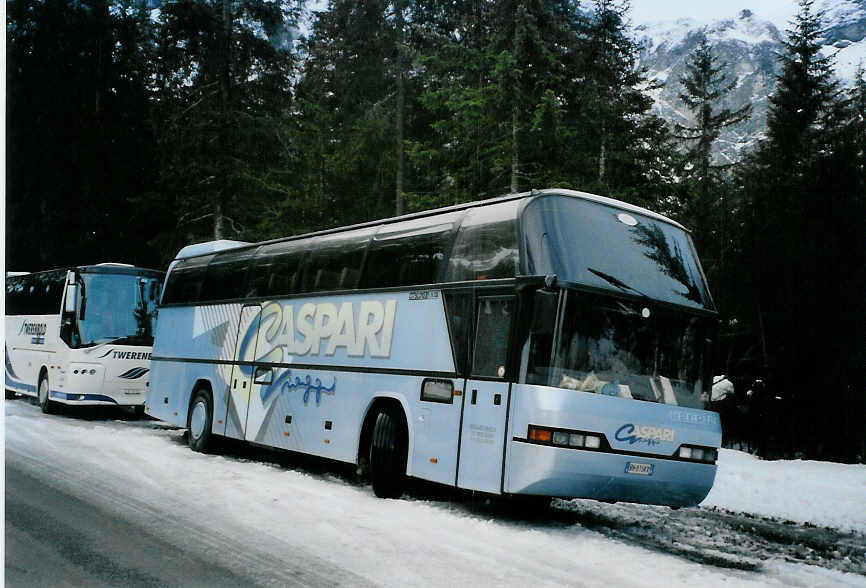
616, 282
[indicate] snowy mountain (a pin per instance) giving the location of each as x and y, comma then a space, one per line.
749, 44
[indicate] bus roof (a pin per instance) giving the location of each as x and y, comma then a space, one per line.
208, 247
98, 268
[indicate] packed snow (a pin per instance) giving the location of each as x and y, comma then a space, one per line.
815, 492
275, 505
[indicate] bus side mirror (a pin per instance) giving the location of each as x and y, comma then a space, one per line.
71, 298
544, 312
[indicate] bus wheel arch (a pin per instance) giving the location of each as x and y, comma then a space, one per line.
43, 392
385, 444
199, 419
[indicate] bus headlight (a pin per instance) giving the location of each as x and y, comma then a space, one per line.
560, 438
702, 454
593, 442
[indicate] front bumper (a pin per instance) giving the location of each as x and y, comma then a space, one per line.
575, 473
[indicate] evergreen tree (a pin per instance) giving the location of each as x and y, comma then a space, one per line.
356, 97
805, 190
223, 91
707, 206
621, 146
79, 149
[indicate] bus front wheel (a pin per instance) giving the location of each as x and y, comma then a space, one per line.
388, 453
200, 421
45, 402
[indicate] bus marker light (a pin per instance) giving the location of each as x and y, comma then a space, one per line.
560, 438
686, 452
575, 440
540, 435
219, 421
327, 441
593, 442
286, 433
434, 460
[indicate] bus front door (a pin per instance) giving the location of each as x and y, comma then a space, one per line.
485, 398
482, 439
241, 381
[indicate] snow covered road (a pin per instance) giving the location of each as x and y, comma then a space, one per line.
274, 518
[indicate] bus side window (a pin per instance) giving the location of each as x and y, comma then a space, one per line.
409, 253
226, 274
185, 281
486, 246
336, 261
458, 309
13, 296
276, 270
491, 337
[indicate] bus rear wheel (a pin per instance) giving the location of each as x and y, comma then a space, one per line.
200, 421
388, 453
10, 394
45, 402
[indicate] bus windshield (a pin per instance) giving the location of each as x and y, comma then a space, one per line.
623, 348
120, 308
605, 247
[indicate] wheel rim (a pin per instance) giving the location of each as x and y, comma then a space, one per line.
198, 419
43, 391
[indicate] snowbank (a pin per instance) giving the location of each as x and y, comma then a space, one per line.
816, 492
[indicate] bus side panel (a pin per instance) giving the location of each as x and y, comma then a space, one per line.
31, 343
185, 336
567, 472
323, 416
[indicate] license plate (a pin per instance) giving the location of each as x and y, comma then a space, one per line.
641, 469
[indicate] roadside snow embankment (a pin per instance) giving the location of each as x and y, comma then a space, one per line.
816, 492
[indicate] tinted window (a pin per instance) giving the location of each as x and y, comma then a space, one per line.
409, 253
277, 268
335, 263
486, 246
458, 309
491, 336
226, 275
35, 293
602, 246
184, 283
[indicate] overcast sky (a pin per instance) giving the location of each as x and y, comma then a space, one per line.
648, 11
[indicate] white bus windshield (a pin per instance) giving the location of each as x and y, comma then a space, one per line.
594, 244
119, 307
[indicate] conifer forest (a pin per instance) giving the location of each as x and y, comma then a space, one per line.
136, 127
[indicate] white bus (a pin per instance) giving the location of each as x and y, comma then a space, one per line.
81, 336
552, 343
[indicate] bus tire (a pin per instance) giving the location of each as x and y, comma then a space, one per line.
139, 411
388, 453
44, 395
200, 421
10, 394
